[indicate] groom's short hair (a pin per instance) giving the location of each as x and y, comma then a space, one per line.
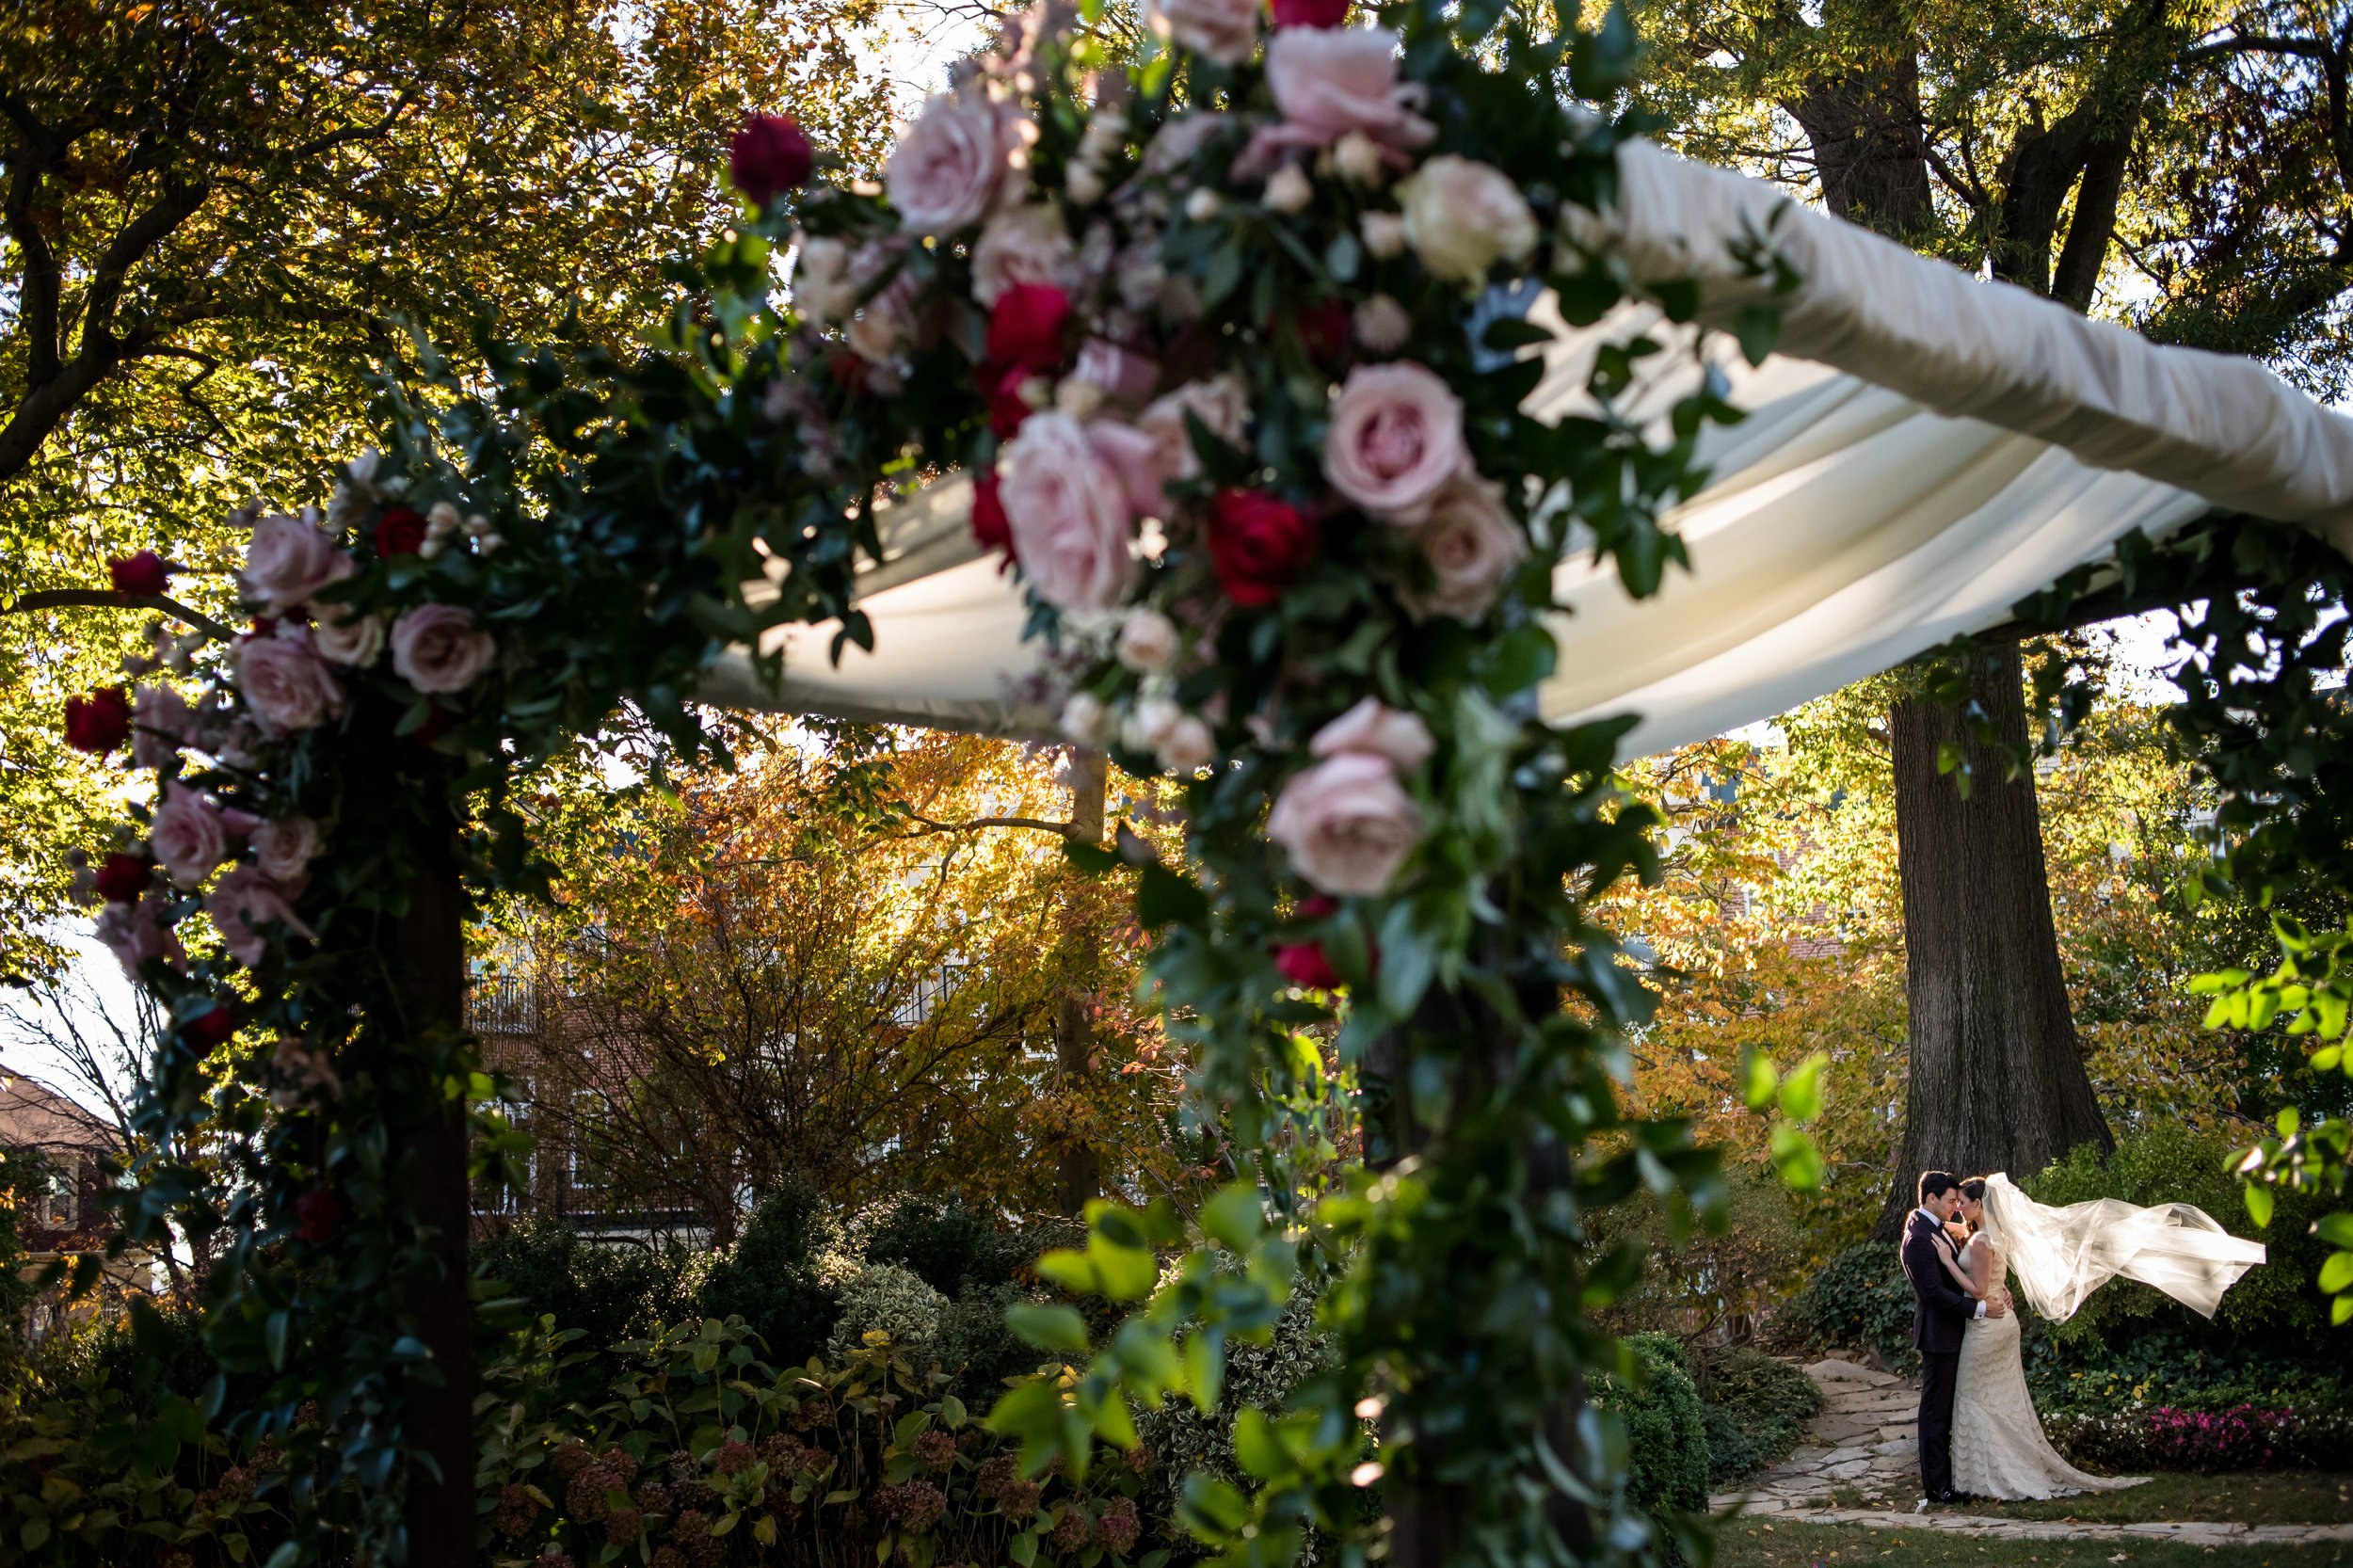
1935, 1184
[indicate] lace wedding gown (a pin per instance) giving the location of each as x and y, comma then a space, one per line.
2061, 1255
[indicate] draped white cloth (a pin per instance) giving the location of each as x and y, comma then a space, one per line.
2061, 1255
1923, 451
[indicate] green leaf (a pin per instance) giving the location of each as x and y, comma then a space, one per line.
1254, 1446
1022, 1548
1796, 1157
2337, 1273
1602, 63
1053, 1328
2259, 1201
1758, 329
1758, 1079
1802, 1090
1163, 895
2335, 1229
1235, 1217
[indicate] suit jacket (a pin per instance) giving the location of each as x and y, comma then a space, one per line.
1941, 1309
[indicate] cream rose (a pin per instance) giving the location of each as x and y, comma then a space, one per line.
1396, 437
1023, 244
1473, 547
1375, 729
1221, 403
244, 903
1085, 721
1147, 641
945, 174
356, 641
287, 560
1463, 216
1226, 30
436, 649
1068, 512
188, 836
284, 847
284, 681
1187, 746
1149, 722
1346, 823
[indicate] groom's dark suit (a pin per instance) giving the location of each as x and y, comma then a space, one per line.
1940, 1311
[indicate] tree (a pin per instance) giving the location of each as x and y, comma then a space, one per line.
220, 218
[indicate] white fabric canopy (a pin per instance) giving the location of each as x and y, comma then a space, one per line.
1923, 451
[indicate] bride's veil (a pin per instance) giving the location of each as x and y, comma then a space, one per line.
2060, 1256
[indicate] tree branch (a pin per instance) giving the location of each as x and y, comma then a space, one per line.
2257, 43
102, 598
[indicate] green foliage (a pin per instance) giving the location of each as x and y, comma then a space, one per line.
1666, 1431
1860, 1300
610, 1291
771, 1280
1754, 1410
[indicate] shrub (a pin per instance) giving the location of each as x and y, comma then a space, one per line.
610, 1291
885, 1299
771, 1279
1665, 1428
2244, 1437
1755, 1411
1859, 1298
952, 1249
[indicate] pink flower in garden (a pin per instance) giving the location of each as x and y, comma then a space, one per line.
159, 725
770, 155
1135, 457
1346, 825
141, 576
288, 559
1395, 438
134, 933
1220, 403
283, 848
283, 680
300, 1070
241, 905
1225, 30
188, 836
1331, 81
1026, 244
1068, 513
1473, 548
1375, 729
946, 173
436, 649
1124, 375
321, 1217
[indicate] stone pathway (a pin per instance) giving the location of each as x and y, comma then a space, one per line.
1864, 1438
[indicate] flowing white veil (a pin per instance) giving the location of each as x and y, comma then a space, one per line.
2060, 1256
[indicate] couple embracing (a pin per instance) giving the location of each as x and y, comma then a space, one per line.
1979, 1435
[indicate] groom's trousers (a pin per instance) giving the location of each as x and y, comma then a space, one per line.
1939, 1371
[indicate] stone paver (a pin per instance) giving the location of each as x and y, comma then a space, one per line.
1863, 1439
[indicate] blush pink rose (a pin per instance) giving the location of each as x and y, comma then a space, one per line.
1068, 512
1462, 217
1396, 437
436, 649
1221, 403
1375, 729
1135, 457
1473, 548
1226, 30
283, 848
946, 172
134, 933
1328, 81
1346, 823
1124, 375
287, 560
160, 725
188, 836
1024, 245
244, 902
284, 682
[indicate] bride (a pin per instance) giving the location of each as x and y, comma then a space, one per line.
2060, 1256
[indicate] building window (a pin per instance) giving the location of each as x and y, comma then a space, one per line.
55, 1209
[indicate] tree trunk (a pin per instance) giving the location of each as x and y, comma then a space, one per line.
438, 1417
1079, 1175
1997, 1079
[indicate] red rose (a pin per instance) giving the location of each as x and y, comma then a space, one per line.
98, 723
1259, 545
1303, 963
848, 369
400, 533
1325, 329
1002, 384
206, 1031
123, 878
1026, 328
322, 1216
1309, 13
438, 722
769, 157
990, 526
140, 576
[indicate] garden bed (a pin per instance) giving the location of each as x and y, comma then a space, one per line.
1763, 1543
2249, 1498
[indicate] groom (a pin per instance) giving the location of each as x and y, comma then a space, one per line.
1939, 1310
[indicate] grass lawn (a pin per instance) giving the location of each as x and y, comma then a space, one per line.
2249, 1497
1764, 1544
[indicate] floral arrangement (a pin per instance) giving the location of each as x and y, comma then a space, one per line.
1234, 345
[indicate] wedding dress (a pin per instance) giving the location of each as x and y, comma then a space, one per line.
2060, 1256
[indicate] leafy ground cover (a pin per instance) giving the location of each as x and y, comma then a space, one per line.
1761, 1544
2252, 1498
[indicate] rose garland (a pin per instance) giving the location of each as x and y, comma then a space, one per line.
1235, 358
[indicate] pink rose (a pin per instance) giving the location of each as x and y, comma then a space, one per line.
188, 836
436, 649
1346, 825
1221, 403
1226, 30
285, 846
1178, 139
246, 901
1373, 728
1124, 375
134, 933
1068, 511
287, 561
945, 174
299, 1070
159, 725
1396, 435
1328, 81
1147, 641
1473, 547
1023, 244
1135, 457
356, 641
1187, 746
283, 682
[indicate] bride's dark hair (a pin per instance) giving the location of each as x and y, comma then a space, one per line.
1974, 1189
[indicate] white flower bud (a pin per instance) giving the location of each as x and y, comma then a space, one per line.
1288, 190
1188, 746
1084, 182
1203, 205
1078, 399
488, 544
441, 520
1384, 234
1147, 641
1358, 158
1382, 325
1149, 722
1085, 721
